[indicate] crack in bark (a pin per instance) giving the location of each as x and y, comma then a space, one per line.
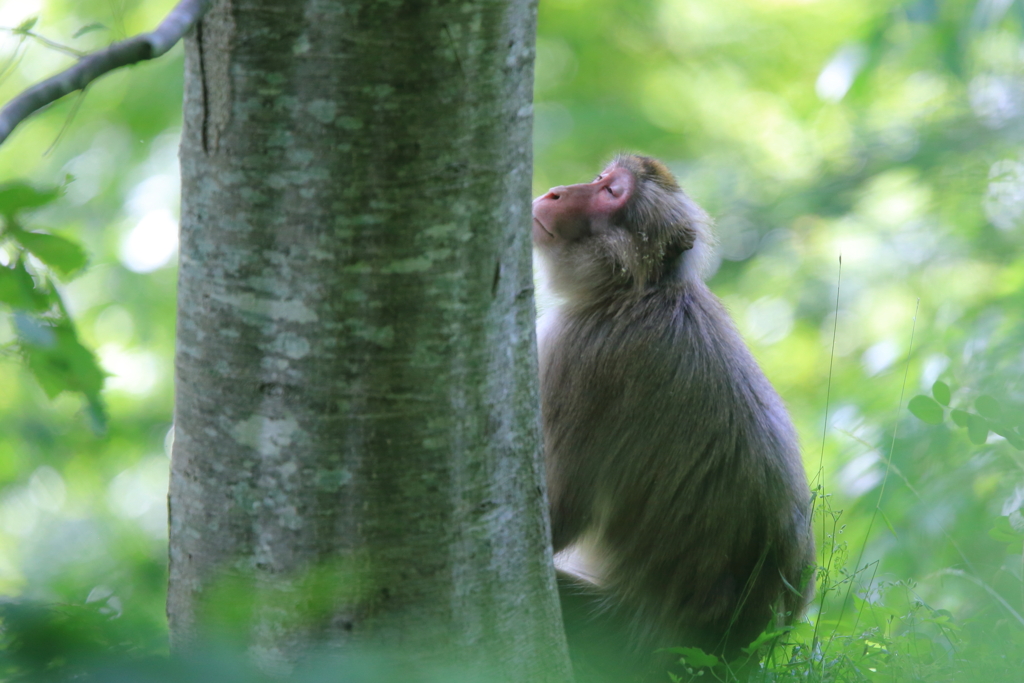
203, 88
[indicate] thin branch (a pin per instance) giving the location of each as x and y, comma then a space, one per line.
131, 51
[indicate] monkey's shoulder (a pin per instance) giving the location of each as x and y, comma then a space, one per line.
685, 321
676, 343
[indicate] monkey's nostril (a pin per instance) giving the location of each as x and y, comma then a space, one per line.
553, 195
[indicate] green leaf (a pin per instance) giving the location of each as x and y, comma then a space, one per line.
892, 529
50, 371
18, 196
89, 28
65, 365
959, 417
14, 291
1007, 432
940, 390
1004, 532
1002, 429
18, 289
765, 637
1015, 415
977, 429
1016, 440
694, 656
63, 255
27, 25
989, 407
926, 409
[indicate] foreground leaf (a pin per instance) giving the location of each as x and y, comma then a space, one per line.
18, 196
694, 656
59, 362
63, 255
989, 407
18, 289
926, 409
977, 429
89, 28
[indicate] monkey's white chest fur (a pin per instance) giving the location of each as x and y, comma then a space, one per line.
548, 326
580, 560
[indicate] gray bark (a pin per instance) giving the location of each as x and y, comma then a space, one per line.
356, 425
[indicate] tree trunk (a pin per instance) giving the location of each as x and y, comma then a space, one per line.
356, 426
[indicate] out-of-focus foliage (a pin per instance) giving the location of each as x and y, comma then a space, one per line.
46, 336
890, 133
83, 513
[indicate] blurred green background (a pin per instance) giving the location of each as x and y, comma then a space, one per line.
889, 133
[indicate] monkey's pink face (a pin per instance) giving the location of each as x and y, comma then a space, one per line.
569, 213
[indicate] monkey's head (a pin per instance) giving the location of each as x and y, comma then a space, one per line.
629, 229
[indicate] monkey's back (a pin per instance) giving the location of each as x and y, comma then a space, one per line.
669, 450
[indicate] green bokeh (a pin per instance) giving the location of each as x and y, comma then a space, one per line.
889, 133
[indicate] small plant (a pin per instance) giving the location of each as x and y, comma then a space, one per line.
46, 338
991, 415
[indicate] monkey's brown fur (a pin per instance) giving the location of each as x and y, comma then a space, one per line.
671, 460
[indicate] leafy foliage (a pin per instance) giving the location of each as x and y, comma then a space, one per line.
17, 197
887, 132
63, 256
992, 416
46, 336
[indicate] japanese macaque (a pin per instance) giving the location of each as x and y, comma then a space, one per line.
679, 504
